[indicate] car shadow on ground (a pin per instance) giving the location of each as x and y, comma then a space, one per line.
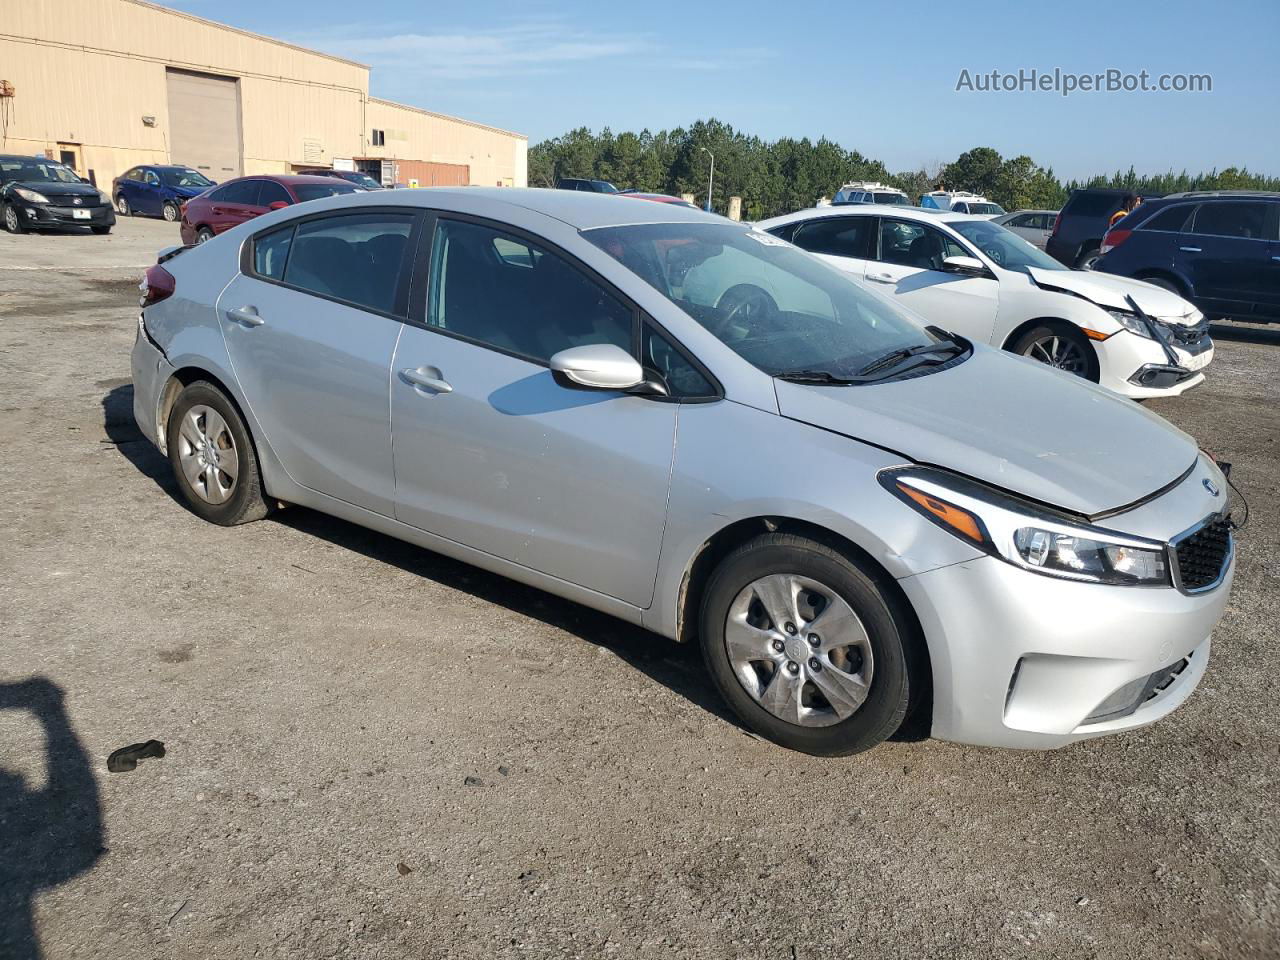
676, 666
1269, 336
49, 833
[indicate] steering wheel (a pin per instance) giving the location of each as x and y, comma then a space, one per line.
747, 304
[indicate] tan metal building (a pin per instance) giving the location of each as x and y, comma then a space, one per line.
108, 84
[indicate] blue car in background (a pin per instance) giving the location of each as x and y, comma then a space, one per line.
1219, 249
158, 191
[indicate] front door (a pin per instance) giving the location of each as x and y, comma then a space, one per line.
149, 193
236, 203
492, 452
311, 330
909, 266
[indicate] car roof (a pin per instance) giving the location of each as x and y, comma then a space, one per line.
285, 178
580, 210
923, 214
1224, 194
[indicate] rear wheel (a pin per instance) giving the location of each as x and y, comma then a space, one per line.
1163, 283
12, 222
1059, 345
123, 208
805, 647
1088, 257
213, 458
171, 212
204, 235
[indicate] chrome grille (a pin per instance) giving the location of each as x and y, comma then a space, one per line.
1200, 557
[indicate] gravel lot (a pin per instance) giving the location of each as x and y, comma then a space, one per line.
377, 752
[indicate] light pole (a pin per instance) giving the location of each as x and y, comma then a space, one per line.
711, 178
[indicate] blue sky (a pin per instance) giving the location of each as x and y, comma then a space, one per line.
876, 76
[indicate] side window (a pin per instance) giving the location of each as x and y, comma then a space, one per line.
134, 174
534, 311
1172, 219
916, 245
151, 178
683, 379
1231, 219
1023, 220
837, 236
515, 253
242, 191
270, 192
355, 257
221, 193
270, 251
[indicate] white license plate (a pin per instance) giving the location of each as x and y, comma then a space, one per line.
1199, 361
82, 214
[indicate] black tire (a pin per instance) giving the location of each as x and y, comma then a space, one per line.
1085, 260
1025, 346
248, 499
101, 231
204, 235
1164, 283
171, 212
123, 208
895, 651
12, 221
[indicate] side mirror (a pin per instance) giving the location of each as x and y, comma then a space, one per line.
599, 366
970, 266
281, 204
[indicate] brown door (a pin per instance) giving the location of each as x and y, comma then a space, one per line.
204, 123
69, 154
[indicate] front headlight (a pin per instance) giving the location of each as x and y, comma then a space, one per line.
1131, 322
30, 195
103, 197
1028, 536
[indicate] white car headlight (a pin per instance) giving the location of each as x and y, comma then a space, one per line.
30, 195
1034, 538
1131, 322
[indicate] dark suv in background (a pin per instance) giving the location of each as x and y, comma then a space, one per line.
588, 186
1076, 240
1218, 249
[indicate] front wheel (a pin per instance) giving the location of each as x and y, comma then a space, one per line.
1061, 346
123, 208
213, 458
12, 222
204, 235
805, 647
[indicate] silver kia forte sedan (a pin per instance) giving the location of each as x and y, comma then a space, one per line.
699, 428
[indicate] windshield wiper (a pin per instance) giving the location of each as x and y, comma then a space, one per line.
948, 345
813, 376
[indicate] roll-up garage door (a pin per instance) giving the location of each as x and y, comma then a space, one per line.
204, 123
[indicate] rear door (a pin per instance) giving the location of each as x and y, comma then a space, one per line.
1229, 248
491, 451
311, 324
909, 266
845, 242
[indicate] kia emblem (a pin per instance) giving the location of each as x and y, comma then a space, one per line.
1210, 486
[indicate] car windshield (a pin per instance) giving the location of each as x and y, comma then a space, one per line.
363, 180
780, 309
317, 191
890, 198
987, 209
1004, 246
43, 171
185, 178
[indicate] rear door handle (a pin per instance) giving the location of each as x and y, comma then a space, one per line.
1190, 249
248, 316
421, 377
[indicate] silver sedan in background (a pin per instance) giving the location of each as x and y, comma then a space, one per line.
699, 428
1033, 226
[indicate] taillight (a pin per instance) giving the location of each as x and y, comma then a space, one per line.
1113, 239
1057, 222
157, 284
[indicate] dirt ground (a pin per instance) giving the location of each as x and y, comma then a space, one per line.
376, 752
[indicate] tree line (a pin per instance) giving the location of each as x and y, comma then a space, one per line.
779, 176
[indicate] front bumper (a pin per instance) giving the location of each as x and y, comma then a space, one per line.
1030, 661
57, 215
151, 372
1137, 367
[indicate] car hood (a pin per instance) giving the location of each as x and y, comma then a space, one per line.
1108, 290
188, 192
53, 189
1012, 423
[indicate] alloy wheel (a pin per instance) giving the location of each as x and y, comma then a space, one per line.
207, 453
170, 212
799, 650
1058, 351
122, 206
11, 221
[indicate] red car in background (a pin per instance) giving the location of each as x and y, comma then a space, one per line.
657, 198
234, 201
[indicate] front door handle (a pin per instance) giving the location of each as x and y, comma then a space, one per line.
881, 278
248, 316
422, 377
1190, 249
